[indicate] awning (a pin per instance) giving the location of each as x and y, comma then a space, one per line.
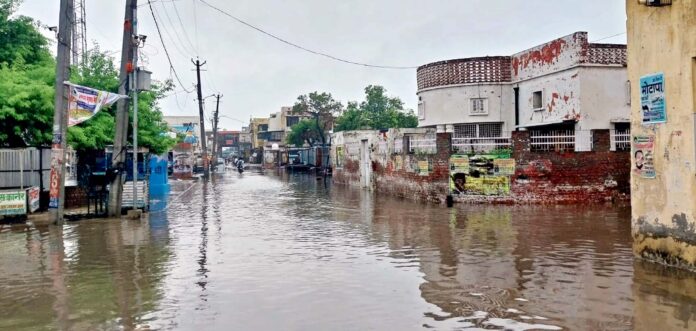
543, 124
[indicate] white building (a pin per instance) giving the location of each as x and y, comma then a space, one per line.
567, 85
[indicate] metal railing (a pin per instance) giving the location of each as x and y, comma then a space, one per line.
427, 145
560, 141
620, 140
463, 144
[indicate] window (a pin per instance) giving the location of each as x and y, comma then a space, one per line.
480, 130
537, 100
478, 107
421, 110
627, 92
291, 120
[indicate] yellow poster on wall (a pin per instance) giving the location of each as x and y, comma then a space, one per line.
424, 168
488, 185
398, 163
504, 167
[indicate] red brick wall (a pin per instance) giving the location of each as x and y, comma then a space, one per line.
570, 177
75, 197
413, 185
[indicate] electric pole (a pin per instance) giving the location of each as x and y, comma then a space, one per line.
204, 149
60, 115
216, 118
120, 141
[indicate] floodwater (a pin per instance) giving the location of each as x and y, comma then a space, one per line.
268, 252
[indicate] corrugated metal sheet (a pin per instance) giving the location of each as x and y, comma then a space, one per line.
32, 162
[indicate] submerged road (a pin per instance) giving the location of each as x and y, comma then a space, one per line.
263, 251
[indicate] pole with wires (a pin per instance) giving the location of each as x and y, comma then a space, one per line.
120, 140
204, 149
60, 117
216, 118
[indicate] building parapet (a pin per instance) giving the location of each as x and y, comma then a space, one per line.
489, 69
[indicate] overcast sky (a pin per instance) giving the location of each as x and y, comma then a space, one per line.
257, 74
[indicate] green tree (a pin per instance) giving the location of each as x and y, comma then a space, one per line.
26, 105
321, 107
99, 71
304, 131
27, 74
378, 111
20, 39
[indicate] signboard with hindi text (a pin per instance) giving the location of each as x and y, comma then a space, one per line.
652, 99
13, 203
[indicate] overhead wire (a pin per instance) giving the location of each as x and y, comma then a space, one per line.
287, 42
169, 35
612, 36
176, 33
166, 51
176, 10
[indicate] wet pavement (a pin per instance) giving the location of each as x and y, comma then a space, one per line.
269, 252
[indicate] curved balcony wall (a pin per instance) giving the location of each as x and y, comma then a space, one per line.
475, 70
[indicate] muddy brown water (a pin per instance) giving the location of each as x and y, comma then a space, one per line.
268, 252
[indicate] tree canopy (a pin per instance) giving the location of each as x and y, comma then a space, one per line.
378, 111
305, 131
27, 89
322, 108
27, 74
99, 71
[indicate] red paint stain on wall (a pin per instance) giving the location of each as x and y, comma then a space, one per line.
544, 56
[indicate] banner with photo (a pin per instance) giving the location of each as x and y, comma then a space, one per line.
643, 151
85, 102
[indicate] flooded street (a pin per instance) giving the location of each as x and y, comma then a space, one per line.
268, 252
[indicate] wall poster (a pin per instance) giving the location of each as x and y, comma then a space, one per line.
652, 98
643, 151
481, 174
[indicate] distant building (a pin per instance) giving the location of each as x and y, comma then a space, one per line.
274, 137
566, 85
187, 126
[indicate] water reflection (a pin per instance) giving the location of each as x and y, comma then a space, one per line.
278, 251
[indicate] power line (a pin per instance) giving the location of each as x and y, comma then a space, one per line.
169, 35
612, 36
302, 47
175, 32
166, 52
176, 10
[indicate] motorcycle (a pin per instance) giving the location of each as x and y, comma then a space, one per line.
240, 166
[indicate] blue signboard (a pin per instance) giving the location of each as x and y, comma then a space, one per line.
652, 98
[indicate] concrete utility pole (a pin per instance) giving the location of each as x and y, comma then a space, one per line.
216, 119
206, 168
60, 115
134, 86
120, 144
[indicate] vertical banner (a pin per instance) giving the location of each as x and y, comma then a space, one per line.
643, 151
459, 169
54, 188
340, 156
652, 98
33, 201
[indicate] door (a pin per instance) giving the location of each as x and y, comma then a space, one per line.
365, 166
